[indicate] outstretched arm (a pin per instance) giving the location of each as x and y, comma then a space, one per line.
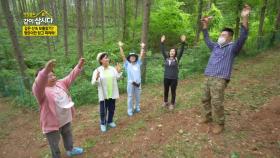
162, 47
69, 79
205, 22
41, 81
181, 51
142, 53
243, 31
121, 51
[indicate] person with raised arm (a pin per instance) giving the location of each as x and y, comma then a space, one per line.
218, 70
56, 107
105, 76
132, 65
171, 70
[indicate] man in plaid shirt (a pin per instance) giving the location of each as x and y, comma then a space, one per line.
218, 70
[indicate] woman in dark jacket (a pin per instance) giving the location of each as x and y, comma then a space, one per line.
171, 70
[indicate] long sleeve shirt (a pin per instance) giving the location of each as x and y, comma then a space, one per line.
49, 116
103, 83
171, 66
222, 57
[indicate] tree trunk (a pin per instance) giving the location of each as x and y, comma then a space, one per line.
42, 6
95, 16
13, 35
237, 20
135, 19
114, 9
65, 27
120, 17
17, 15
276, 28
79, 28
200, 5
125, 29
102, 19
262, 17
145, 31
85, 17
1, 23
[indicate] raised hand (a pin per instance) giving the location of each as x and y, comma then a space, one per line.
245, 11
120, 44
50, 65
118, 67
162, 39
205, 21
142, 45
81, 63
183, 38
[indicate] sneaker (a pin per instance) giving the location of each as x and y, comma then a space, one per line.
165, 104
137, 110
112, 125
130, 114
171, 107
75, 151
217, 129
103, 128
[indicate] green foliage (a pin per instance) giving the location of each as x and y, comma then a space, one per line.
167, 19
217, 21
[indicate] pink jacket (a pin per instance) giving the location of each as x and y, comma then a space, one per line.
48, 116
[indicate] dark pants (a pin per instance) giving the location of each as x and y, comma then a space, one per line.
54, 138
173, 84
107, 110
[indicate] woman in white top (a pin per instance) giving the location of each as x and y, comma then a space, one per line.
105, 76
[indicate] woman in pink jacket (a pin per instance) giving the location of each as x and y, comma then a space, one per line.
56, 107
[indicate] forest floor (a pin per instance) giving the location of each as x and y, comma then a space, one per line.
252, 129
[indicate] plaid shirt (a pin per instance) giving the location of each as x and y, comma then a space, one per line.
222, 57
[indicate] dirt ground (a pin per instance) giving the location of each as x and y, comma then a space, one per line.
250, 131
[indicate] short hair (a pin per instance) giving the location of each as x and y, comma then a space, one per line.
101, 57
229, 30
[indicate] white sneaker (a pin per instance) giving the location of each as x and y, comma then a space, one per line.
112, 125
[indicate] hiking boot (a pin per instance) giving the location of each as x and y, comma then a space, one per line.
217, 129
165, 104
171, 107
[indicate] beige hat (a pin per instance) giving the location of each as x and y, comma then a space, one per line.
99, 55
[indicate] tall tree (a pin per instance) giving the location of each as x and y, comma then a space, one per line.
102, 20
145, 31
114, 10
65, 27
237, 19
43, 6
1, 23
135, 18
276, 27
79, 28
86, 15
262, 17
95, 17
13, 35
124, 18
198, 30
